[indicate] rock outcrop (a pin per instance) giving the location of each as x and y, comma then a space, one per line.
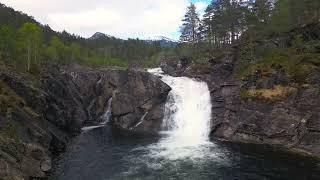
79, 96
292, 121
27, 139
37, 121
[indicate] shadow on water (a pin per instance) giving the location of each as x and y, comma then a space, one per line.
103, 154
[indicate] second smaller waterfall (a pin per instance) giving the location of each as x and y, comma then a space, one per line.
141, 121
105, 118
108, 113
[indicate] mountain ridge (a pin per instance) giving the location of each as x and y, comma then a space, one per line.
164, 41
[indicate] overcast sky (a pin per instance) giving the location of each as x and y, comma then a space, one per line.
120, 18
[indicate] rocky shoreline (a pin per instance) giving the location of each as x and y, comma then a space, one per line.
40, 120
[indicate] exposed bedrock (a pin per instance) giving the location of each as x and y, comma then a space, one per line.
79, 96
292, 121
37, 121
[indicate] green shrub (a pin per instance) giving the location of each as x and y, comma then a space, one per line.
103, 62
269, 95
201, 68
298, 43
312, 47
297, 66
10, 131
8, 98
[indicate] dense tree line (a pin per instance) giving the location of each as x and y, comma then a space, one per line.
28, 45
225, 21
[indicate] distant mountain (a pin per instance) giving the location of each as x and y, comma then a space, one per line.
164, 41
98, 35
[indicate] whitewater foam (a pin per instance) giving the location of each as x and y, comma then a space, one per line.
186, 123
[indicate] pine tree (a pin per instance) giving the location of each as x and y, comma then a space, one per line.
207, 27
223, 22
190, 27
263, 10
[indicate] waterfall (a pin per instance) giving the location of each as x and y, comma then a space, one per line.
187, 118
107, 115
141, 120
105, 118
188, 109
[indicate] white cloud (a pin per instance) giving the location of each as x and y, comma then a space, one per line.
120, 18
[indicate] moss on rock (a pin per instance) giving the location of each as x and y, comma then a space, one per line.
270, 95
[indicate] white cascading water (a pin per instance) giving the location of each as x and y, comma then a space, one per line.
188, 110
108, 113
140, 122
187, 119
105, 117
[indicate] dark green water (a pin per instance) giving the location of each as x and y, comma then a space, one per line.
100, 154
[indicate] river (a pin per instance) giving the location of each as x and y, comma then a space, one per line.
182, 151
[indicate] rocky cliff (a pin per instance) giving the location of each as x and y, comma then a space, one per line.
263, 108
38, 119
79, 96
290, 119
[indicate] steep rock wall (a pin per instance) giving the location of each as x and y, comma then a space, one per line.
37, 121
79, 96
291, 122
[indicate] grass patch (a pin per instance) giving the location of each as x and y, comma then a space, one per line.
12, 147
8, 98
8, 101
271, 95
30, 111
297, 66
10, 131
105, 62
